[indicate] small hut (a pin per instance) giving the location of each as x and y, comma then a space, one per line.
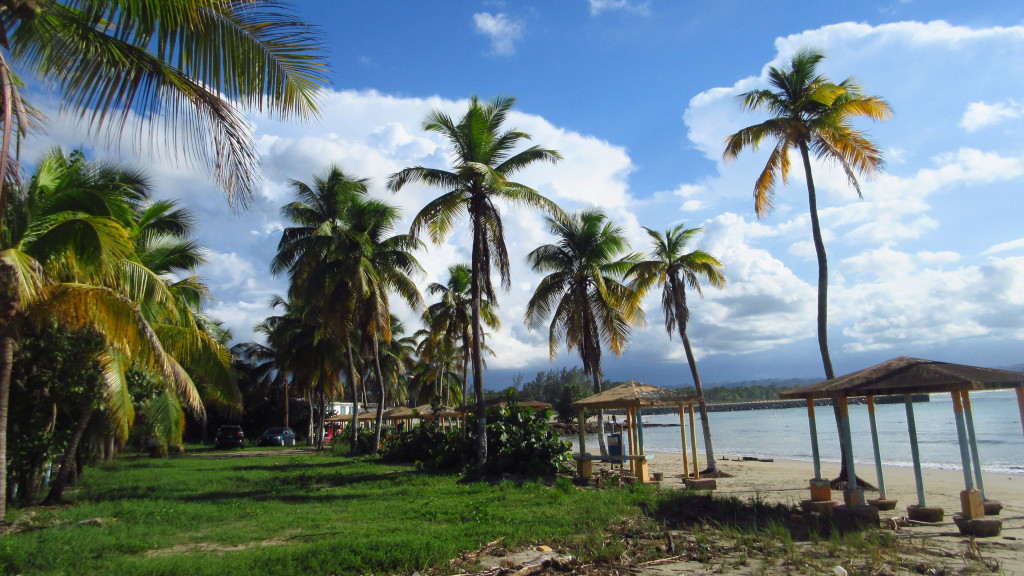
907, 376
633, 397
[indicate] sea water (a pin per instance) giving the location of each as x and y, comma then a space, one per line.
785, 433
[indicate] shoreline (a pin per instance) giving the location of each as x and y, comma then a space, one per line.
786, 481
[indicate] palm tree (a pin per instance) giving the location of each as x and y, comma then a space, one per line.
342, 262
810, 113
583, 293
451, 317
673, 268
69, 254
485, 159
188, 66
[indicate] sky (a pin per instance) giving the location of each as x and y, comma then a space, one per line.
638, 98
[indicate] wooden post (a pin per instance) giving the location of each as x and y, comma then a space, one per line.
682, 435
961, 436
874, 445
1020, 404
814, 439
973, 438
639, 431
844, 414
582, 430
628, 449
915, 452
693, 443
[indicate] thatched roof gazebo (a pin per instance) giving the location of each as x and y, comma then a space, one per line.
907, 376
633, 397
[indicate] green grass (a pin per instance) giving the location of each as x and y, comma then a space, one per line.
297, 515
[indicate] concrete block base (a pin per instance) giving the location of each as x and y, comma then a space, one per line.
701, 484
930, 514
978, 527
818, 507
993, 507
971, 505
854, 498
821, 490
855, 517
883, 503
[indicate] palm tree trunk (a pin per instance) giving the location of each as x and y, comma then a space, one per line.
354, 446
819, 249
478, 362
8, 311
379, 420
682, 318
286, 406
57, 488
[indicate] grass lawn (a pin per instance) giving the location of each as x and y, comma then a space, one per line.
307, 514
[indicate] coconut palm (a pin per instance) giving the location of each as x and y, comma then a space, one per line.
583, 293
68, 254
188, 67
451, 317
810, 113
672, 268
484, 161
342, 262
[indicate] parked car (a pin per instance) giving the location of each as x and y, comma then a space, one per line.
277, 437
229, 436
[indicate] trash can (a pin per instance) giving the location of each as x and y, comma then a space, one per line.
615, 444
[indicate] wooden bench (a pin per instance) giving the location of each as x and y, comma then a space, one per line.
638, 464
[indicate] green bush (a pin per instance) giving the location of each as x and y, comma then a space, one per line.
519, 441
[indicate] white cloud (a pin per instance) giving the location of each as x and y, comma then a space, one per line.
599, 6
1005, 247
503, 31
981, 115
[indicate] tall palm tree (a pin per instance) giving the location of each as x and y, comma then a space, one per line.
583, 293
484, 160
189, 66
342, 261
672, 268
809, 113
451, 317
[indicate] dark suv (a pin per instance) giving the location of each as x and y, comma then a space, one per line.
229, 436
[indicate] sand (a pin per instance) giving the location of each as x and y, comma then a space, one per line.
786, 481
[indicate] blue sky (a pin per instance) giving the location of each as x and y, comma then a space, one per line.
638, 97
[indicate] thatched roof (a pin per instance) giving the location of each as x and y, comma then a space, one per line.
633, 394
910, 376
535, 405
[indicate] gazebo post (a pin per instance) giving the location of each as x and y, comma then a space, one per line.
584, 467
915, 452
973, 439
1020, 404
852, 495
874, 445
628, 446
693, 444
971, 505
639, 431
821, 489
682, 435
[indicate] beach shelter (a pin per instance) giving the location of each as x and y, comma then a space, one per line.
907, 376
633, 397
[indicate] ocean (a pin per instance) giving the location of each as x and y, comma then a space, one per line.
785, 434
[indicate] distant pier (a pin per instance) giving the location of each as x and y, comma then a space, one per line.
778, 404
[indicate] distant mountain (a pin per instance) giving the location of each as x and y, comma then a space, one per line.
781, 382
1014, 368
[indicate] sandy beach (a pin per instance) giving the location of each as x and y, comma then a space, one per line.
786, 481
